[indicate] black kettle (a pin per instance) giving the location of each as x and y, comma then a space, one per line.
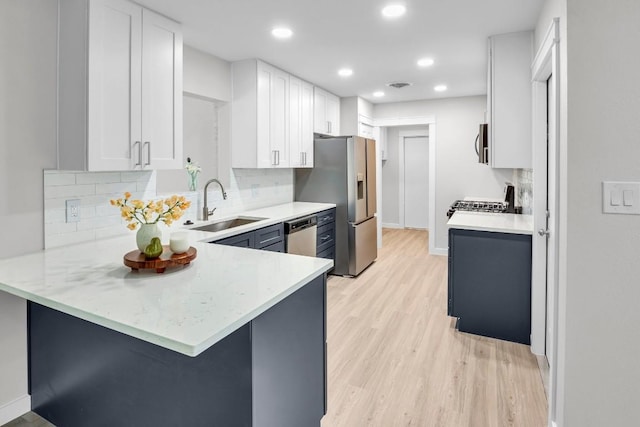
510, 197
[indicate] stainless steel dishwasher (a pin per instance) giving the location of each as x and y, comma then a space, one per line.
301, 235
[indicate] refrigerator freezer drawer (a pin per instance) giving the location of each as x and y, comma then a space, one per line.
363, 245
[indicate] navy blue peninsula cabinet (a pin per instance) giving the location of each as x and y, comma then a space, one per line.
270, 372
490, 283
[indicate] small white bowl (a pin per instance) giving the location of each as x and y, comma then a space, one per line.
179, 242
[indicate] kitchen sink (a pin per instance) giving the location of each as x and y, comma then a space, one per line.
227, 223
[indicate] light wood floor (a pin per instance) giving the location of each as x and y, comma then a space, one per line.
395, 358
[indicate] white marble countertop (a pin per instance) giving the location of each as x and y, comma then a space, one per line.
272, 215
184, 309
496, 222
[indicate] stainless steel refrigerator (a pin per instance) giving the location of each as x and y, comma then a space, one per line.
344, 173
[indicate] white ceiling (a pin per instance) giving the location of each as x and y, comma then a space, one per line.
331, 34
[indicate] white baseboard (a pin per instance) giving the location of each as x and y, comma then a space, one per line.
15, 409
387, 225
440, 251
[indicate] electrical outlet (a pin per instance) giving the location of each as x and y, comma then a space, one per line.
73, 210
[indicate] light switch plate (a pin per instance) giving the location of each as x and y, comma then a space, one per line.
621, 197
73, 210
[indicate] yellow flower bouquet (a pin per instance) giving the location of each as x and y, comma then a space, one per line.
152, 212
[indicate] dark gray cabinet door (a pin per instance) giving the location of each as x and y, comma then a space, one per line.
269, 236
288, 353
326, 237
244, 240
490, 283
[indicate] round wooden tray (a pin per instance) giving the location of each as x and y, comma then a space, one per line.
137, 260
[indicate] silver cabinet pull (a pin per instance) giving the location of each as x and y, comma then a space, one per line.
328, 127
276, 157
301, 158
131, 146
278, 152
148, 162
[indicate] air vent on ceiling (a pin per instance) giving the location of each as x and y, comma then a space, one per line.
399, 85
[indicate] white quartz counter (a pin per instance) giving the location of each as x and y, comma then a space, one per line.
496, 222
184, 309
271, 215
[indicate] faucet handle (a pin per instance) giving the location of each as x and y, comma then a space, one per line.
211, 211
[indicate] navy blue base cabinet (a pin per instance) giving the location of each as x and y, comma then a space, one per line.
271, 372
269, 238
326, 237
490, 284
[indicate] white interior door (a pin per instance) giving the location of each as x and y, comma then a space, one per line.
416, 182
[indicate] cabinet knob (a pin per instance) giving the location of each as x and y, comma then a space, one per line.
543, 232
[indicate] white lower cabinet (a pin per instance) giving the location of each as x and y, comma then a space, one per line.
120, 87
271, 116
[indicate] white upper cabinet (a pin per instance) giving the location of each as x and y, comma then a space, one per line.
161, 92
120, 87
301, 123
271, 118
326, 112
509, 100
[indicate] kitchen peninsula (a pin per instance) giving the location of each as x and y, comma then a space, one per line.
237, 338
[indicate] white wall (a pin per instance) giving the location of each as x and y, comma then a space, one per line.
200, 143
206, 75
599, 373
27, 146
458, 173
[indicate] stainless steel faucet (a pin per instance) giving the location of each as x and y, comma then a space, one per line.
205, 209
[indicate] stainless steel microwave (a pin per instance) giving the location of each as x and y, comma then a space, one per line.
482, 144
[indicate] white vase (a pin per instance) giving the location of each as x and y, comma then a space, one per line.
145, 234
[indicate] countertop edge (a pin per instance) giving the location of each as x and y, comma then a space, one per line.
492, 222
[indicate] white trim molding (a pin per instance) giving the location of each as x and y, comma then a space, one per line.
546, 119
14, 409
430, 122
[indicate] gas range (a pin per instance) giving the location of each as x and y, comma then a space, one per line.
477, 206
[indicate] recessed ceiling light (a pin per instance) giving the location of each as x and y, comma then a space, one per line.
378, 94
345, 72
281, 33
393, 10
425, 62
440, 88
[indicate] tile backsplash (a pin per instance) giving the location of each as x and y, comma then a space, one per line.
524, 190
248, 189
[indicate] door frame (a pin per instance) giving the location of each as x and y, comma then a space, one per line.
430, 122
545, 64
417, 133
